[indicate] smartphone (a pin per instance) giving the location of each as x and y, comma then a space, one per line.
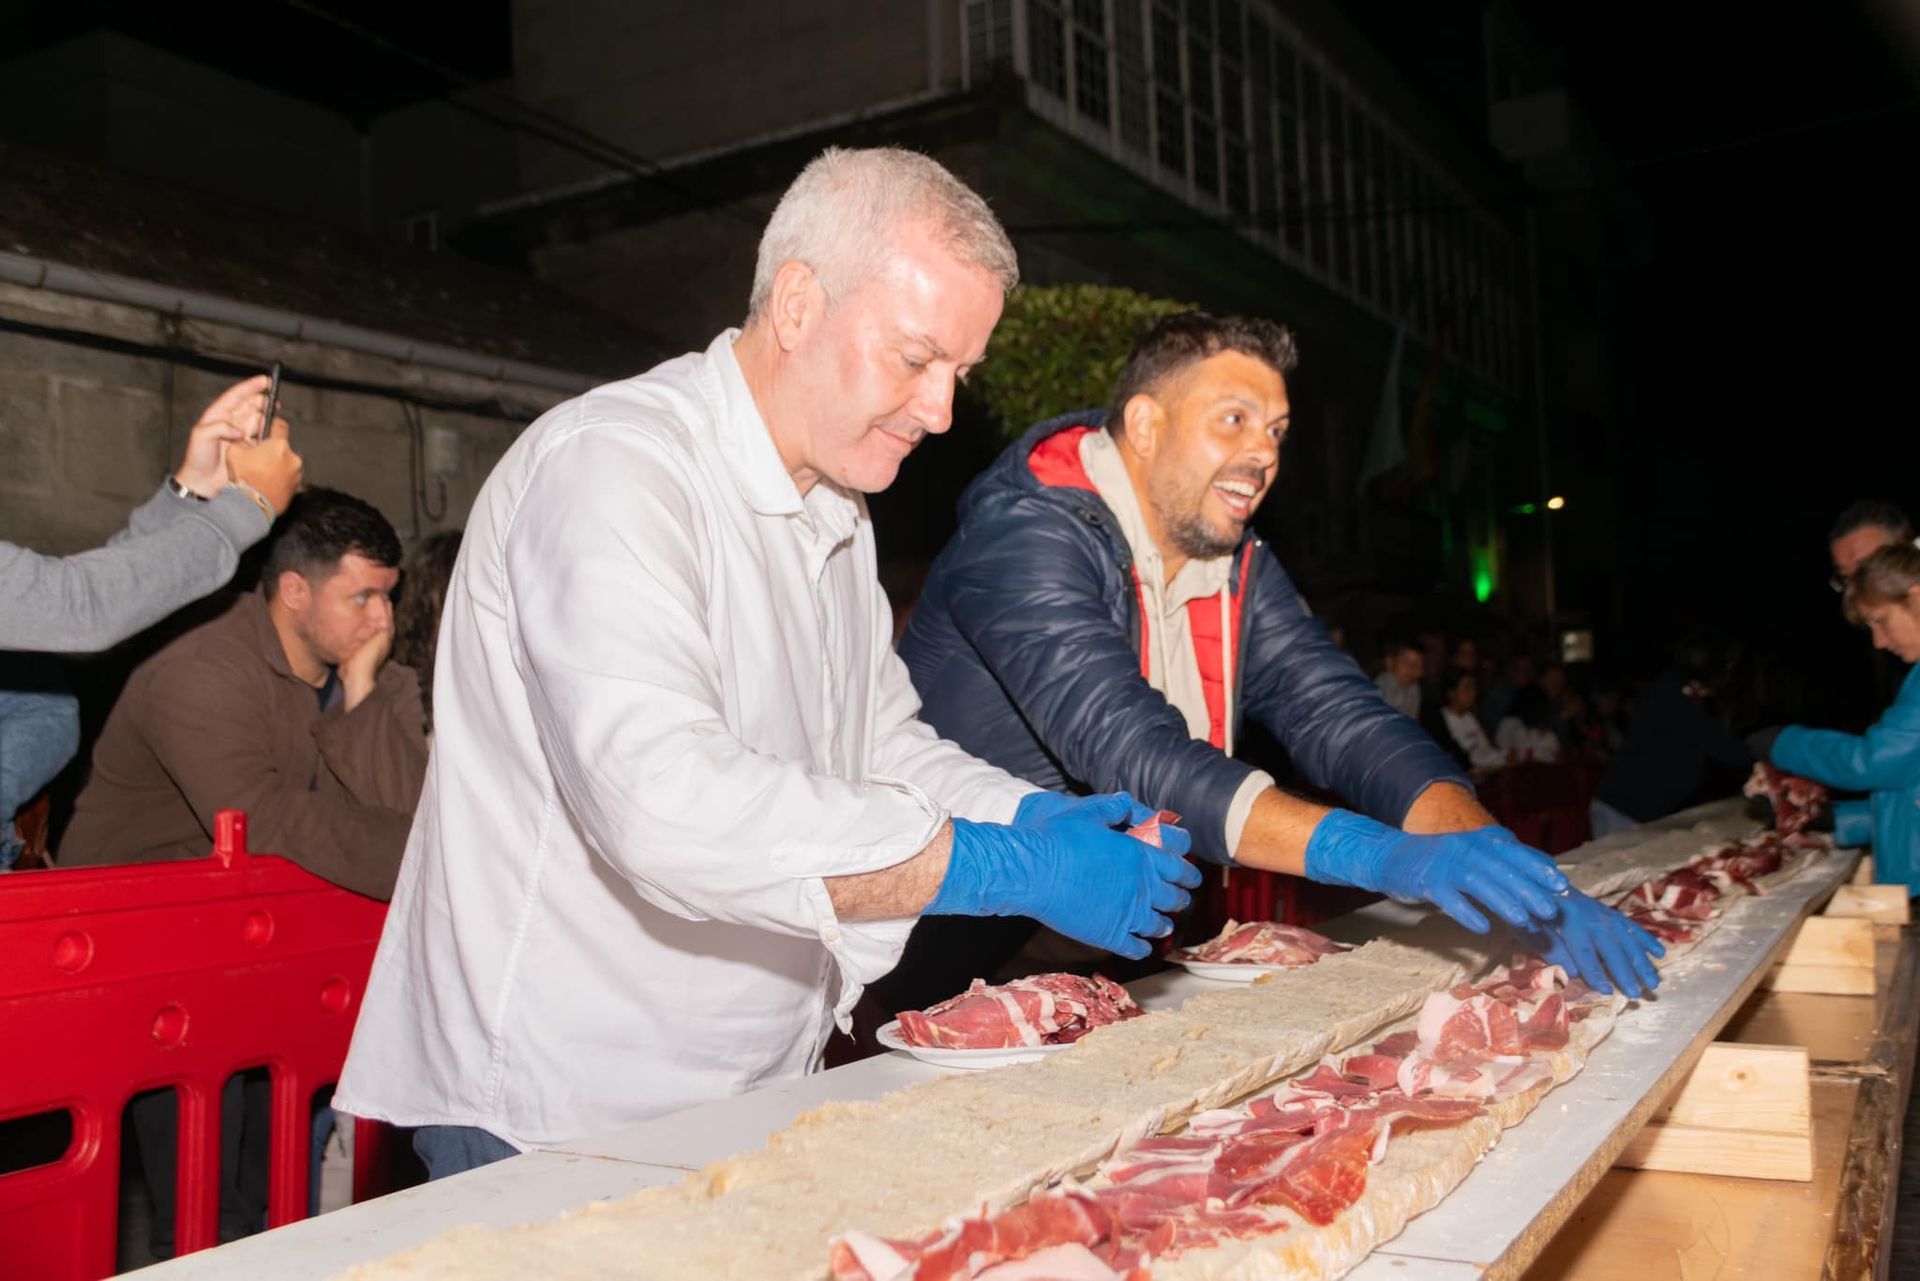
273, 395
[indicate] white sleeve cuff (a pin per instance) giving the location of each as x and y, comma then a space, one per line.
1241, 807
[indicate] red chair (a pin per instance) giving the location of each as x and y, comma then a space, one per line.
116, 980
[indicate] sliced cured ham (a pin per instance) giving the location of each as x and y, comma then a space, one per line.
1262, 943
1046, 1009
1303, 1149
1796, 801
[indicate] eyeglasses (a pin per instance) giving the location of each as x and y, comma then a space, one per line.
1838, 584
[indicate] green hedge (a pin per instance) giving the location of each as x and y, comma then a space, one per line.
1059, 348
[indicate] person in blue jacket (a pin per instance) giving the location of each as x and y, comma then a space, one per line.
1105, 618
1883, 594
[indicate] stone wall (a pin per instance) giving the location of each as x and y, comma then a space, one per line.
86, 432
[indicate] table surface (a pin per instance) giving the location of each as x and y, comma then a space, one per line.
1492, 1225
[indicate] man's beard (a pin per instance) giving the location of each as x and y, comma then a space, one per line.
1192, 535
1198, 540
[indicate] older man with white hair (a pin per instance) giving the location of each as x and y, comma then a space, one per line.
681, 808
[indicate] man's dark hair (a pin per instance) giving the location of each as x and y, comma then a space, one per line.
1871, 512
1453, 678
1188, 337
319, 528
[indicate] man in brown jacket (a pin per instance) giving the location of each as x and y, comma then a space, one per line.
285, 707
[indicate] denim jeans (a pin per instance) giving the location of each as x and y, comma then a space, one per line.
39, 734
454, 1149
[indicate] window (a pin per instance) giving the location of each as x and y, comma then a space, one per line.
1090, 93
1169, 111
1130, 52
989, 36
1260, 115
1313, 178
1221, 100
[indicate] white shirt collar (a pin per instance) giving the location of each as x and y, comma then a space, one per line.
746, 442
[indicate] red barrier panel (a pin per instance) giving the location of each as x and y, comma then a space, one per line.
115, 980
1547, 806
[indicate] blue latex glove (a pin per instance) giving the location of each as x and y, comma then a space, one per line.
1591, 941
1072, 872
1036, 806
1461, 873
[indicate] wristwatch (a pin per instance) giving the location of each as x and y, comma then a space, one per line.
180, 491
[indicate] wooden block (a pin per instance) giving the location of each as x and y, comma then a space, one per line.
1827, 940
1654, 1225
1745, 1112
1744, 1087
1740, 1154
1881, 904
1863, 874
1831, 954
1824, 980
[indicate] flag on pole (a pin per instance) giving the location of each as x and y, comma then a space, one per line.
1422, 447
1388, 447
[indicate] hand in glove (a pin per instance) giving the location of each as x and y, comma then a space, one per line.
1467, 875
1071, 871
1591, 941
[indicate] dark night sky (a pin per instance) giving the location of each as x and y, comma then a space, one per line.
1770, 324
1773, 321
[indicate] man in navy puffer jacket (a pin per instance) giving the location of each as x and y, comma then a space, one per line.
1106, 620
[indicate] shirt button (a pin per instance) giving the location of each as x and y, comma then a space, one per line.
830, 934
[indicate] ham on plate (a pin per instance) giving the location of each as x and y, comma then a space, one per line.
1045, 1009
1262, 943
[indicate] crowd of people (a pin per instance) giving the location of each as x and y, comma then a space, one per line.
1490, 715
1648, 748
674, 750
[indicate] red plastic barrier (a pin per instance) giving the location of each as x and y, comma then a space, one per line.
1547, 806
116, 980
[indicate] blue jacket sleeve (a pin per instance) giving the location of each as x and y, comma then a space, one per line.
1885, 757
1853, 824
1037, 611
1326, 713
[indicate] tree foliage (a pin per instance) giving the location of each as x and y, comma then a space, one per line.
1059, 348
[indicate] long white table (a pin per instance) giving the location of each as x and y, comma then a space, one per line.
1491, 1227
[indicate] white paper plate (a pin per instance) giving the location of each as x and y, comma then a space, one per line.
969, 1060
1228, 971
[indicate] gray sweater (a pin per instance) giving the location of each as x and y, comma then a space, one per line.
172, 551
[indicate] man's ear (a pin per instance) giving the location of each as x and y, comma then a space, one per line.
795, 304
294, 590
1145, 422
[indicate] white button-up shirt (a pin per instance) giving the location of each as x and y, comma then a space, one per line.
665, 709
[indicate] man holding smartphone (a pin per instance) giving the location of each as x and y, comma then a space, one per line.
236, 477
184, 542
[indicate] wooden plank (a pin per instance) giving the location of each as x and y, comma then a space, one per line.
1832, 1031
1734, 1154
1825, 980
1864, 1216
1836, 941
1863, 875
1830, 954
1517, 1199
1742, 1113
1881, 904
1655, 1225
1744, 1087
